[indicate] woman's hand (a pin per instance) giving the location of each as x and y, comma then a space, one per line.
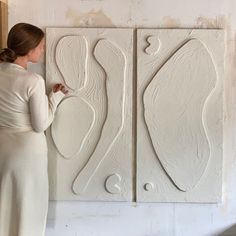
59, 87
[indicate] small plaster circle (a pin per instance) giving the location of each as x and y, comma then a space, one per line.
149, 186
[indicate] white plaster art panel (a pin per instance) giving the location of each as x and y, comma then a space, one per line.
179, 130
90, 140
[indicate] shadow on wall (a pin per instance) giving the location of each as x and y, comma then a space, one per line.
229, 232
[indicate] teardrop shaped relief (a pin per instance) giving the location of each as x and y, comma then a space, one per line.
174, 104
72, 126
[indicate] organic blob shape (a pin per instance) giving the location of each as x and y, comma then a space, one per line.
72, 124
71, 59
154, 45
174, 105
113, 61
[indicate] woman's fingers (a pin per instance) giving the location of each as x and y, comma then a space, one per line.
55, 88
60, 87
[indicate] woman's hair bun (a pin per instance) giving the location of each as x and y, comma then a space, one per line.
7, 55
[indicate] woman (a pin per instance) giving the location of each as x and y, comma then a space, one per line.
25, 112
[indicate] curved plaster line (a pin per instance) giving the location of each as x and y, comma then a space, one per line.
154, 45
153, 60
91, 127
71, 56
211, 94
100, 117
53, 134
102, 50
203, 109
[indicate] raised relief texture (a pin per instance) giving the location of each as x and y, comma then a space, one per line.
154, 45
174, 113
91, 128
180, 115
71, 59
69, 123
114, 64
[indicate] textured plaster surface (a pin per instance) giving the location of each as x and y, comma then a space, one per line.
91, 136
180, 116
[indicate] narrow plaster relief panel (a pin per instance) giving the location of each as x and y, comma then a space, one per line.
179, 131
90, 152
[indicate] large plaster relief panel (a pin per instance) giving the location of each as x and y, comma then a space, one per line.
90, 140
179, 115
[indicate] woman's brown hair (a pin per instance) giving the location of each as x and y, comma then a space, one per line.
21, 39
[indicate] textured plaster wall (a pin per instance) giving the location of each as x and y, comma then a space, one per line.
122, 219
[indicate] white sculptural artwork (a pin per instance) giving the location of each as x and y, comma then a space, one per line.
92, 125
92, 140
179, 140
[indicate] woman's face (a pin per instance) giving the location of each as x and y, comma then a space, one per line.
35, 54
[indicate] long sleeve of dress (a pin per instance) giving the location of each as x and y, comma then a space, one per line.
43, 107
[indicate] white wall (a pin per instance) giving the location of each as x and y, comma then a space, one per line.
122, 219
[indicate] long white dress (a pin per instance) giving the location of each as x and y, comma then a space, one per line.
25, 112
